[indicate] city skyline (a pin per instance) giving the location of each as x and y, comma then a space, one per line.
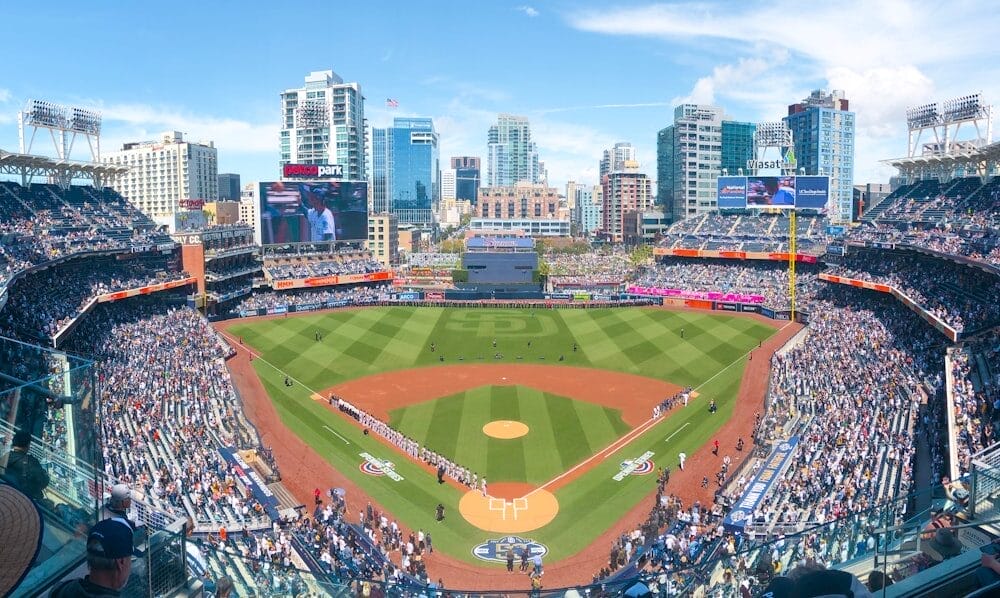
709, 55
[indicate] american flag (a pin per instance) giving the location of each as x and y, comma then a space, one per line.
391, 103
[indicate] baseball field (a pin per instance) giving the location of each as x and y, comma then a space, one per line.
552, 406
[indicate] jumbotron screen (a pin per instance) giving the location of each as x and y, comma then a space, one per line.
785, 192
310, 211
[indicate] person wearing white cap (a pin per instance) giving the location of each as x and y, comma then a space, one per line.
119, 504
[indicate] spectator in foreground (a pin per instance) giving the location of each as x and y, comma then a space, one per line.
23, 469
109, 562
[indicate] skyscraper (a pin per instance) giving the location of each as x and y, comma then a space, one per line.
689, 156
323, 122
406, 170
737, 145
614, 158
823, 132
625, 190
448, 183
511, 155
467, 177
229, 186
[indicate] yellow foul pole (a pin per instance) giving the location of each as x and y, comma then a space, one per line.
793, 232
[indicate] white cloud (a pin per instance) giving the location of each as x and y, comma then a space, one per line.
528, 10
882, 54
131, 122
4, 96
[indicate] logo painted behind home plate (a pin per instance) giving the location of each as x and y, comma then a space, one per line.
377, 467
641, 465
496, 550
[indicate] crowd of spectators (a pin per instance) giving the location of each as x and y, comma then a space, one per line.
43, 223
438, 261
589, 269
273, 299
348, 263
750, 277
40, 305
960, 218
733, 231
975, 370
962, 297
855, 381
168, 406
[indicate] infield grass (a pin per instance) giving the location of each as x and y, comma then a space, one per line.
710, 357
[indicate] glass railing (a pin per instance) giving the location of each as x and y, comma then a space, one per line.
52, 396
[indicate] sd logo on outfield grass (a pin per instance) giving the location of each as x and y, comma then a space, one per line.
496, 550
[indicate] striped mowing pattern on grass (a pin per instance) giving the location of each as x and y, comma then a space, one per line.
562, 432
358, 343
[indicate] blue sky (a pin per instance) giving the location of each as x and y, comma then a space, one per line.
587, 74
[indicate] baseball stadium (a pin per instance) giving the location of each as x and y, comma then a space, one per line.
753, 392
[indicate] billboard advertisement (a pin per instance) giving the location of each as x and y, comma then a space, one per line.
812, 192
732, 192
302, 212
784, 192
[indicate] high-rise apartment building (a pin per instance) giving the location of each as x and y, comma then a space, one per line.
693, 152
406, 170
163, 172
588, 210
229, 187
323, 122
823, 129
737, 146
625, 190
467, 177
615, 158
511, 155
448, 183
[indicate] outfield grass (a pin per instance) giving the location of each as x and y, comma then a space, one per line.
641, 341
562, 432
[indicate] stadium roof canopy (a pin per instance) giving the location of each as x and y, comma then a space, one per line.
982, 161
28, 166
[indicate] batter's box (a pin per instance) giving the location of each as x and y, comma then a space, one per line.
499, 504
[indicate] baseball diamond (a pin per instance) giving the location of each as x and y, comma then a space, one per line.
584, 383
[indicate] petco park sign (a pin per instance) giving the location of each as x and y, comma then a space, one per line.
312, 171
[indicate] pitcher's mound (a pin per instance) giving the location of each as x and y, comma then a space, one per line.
509, 515
505, 429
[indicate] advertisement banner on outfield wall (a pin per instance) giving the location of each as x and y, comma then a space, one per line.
407, 296
325, 281
727, 306
559, 296
281, 309
434, 296
747, 308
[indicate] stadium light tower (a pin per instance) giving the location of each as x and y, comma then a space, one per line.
776, 135
64, 123
945, 123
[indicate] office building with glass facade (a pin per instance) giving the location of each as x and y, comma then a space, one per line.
406, 170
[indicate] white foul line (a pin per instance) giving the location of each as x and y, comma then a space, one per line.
640, 429
334, 432
686, 424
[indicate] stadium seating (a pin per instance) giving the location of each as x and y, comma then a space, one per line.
346, 262
744, 277
975, 369
45, 222
963, 297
